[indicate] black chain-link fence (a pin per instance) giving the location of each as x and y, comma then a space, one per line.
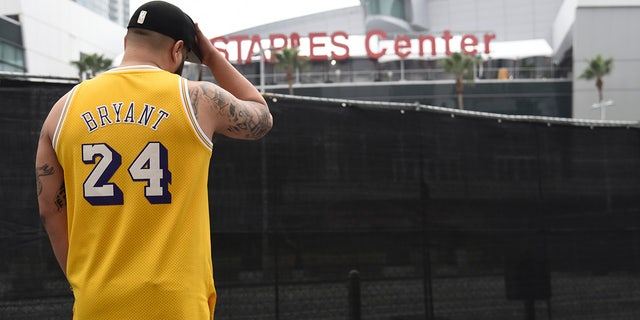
379, 211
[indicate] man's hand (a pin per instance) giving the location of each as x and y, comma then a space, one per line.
208, 51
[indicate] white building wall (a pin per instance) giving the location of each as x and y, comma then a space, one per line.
609, 28
509, 20
350, 20
55, 32
115, 10
562, 31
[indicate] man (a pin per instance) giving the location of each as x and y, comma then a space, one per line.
122, 167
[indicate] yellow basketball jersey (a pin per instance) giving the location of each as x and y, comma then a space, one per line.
136, 167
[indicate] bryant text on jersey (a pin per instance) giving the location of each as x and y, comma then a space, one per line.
105, 116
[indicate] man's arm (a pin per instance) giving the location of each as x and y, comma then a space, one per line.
51, 192
235, 108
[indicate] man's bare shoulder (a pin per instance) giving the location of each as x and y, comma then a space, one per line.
54, 115
203, 94
241, 119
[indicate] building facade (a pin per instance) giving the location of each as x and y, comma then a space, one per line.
11, 48
41, 37
400, 43
393, 43
608, 28
116, 10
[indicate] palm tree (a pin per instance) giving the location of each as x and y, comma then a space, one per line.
289, 60
462, 68
82, 67
90, 65
597, 68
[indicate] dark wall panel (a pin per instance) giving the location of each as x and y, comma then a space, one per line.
444, 214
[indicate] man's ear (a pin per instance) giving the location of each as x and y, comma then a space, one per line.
176, 51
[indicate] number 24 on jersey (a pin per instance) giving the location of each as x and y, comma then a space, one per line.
151, 165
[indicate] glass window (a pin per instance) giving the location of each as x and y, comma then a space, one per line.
393, 8
11, 58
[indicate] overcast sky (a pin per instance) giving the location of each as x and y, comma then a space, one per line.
219, 17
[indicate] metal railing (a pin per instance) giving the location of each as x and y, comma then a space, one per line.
394, 75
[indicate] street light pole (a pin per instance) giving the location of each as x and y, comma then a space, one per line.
602, 105
261, 53
261, 70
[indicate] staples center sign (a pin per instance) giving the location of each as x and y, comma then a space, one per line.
340, 45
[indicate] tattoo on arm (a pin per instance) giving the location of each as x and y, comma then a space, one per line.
194, 96
247, 121
245, 118
61, 197
44, 170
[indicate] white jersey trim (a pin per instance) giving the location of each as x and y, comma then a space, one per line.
186, 103
63, 116
135, 67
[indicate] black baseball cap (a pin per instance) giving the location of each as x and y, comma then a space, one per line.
167, 19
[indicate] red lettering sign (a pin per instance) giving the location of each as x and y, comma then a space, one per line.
238, 40
273, 38
367, 44
334, 41
446, 36
255, 41
222, 50
487, 39
400, 44
469, 40
422, 39
313, 45
321, 46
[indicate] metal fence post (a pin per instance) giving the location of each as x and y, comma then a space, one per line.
354, 295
